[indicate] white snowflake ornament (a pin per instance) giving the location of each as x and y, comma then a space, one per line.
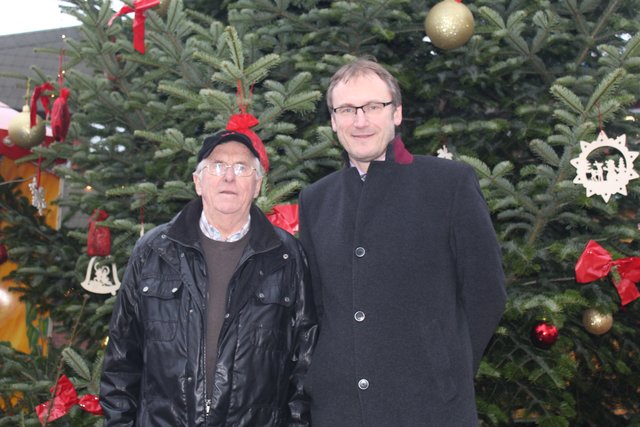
607, 172
443, 153
37, 196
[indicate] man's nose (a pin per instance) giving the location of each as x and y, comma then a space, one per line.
360, 118
229, 175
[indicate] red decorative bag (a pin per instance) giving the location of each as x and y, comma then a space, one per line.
99, 239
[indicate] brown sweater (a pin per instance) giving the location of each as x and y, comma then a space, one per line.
221, 259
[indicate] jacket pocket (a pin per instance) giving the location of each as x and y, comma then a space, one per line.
439, 360
274, 299
161, 307
275, 291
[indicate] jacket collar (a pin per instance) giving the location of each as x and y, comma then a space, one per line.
184, 228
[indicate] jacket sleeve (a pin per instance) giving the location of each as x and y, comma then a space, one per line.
122, 369
305, 333
479, 263
307, 243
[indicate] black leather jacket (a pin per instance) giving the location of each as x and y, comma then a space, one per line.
154, 366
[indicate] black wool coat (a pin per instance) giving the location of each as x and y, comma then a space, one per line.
408, 280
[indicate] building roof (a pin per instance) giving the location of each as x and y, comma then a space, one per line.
18, 57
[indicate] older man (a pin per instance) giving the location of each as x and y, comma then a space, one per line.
214, 323
405, 267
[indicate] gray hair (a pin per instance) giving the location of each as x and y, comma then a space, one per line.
361, 67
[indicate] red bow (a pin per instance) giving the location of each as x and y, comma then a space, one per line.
139, 7
65, 397
38, 94
241, 123
285, 216
596, 263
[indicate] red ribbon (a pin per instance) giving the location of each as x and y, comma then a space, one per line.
243, 121
38, 94
65, 397
596, 263
285, 217
139, 7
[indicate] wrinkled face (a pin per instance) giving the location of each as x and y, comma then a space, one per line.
364, 136
228, 197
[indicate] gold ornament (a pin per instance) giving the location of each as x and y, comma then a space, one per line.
596, 322
163, 7
22, 134
449, 24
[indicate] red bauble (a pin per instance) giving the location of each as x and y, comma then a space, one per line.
544, 334
3, 254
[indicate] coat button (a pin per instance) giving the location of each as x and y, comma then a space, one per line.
359, 316
174, 290
145, 289
261, 295
360, 251
226, 315
285, 256
363, 384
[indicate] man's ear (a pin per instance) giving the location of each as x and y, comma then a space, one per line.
198, 184
397, 115
258, 187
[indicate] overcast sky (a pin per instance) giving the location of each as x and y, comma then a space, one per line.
25, 16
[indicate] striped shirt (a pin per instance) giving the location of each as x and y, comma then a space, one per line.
213, 233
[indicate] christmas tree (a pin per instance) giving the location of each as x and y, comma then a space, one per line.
523, 101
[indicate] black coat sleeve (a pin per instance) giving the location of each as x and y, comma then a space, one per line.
479, 263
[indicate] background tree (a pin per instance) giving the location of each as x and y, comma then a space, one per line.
536, 78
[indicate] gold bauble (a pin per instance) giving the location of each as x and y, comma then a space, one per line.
163, 7
20, 131
449, 24
596, 322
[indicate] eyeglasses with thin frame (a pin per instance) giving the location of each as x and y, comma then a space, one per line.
220, 169
371, 108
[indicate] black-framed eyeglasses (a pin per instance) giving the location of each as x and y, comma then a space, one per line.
370, 108
220, 168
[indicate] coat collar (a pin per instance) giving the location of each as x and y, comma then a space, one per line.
396, 153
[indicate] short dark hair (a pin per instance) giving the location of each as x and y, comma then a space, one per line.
359, 67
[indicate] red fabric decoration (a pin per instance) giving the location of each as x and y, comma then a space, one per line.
91, 404
60, 116
139, 7
241, 123
99, 239
65, 397
285, 217
4, 256
38, 94
596, 263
